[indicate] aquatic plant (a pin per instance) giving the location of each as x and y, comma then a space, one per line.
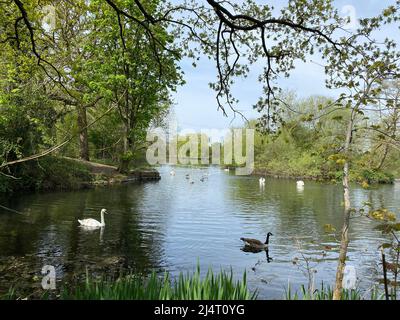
326, 293
220, 286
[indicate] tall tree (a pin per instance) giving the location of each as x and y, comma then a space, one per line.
386, 133
137, 76
360, 73
68, 39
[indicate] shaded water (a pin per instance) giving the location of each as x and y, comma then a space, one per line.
172, 224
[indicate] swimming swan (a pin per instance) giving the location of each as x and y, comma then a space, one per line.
92, 223
300, 183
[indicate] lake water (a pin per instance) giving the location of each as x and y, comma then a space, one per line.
172, 225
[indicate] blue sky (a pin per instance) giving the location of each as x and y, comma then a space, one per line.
195, 105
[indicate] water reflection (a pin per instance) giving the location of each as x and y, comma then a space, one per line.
258, 250
99, 230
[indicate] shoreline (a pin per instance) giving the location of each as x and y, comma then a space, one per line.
103, 174
98, 174
70, 174
318, 178
266, 173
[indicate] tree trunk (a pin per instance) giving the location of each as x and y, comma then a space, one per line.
344, 243
83, 134
385, 153
126, 158
124, 165
393, 132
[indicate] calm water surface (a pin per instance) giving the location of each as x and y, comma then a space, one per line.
172, 224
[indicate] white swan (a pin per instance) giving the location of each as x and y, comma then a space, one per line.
300, 183
261, 181
92, 223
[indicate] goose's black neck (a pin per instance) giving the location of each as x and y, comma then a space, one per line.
267, 240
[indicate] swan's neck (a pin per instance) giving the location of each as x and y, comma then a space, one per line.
102, 218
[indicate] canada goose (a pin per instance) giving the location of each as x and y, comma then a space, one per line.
257, 244
92, 223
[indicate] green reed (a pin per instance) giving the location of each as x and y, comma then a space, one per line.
326, 293
220, 286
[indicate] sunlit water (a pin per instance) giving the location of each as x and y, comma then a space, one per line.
172, 225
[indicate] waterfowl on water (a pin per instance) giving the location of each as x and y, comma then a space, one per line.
257, 244
93, 223
261, 181
172, 173
300, 183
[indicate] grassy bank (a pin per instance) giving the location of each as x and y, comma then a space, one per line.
44, 174
297, 171
61, 173
300, 151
